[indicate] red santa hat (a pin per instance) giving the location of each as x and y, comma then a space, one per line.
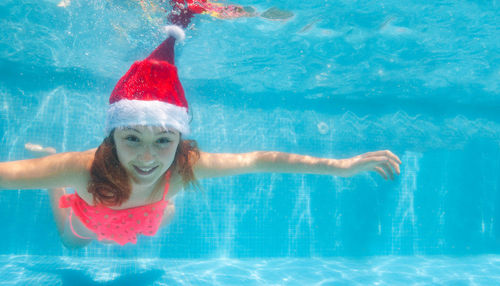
150, 93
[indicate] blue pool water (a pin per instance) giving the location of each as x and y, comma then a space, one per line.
338, 79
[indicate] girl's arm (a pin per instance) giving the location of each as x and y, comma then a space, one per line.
215, 165
59, 170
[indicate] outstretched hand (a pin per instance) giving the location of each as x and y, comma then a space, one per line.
383, 162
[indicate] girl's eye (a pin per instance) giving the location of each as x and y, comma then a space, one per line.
132, 138
163, 141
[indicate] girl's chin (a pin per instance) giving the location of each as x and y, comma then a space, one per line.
145, 181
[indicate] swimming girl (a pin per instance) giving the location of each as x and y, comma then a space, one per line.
184, 10
125, 186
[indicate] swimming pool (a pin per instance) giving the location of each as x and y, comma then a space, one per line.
338, 79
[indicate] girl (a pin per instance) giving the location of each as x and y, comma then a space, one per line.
124, 187
184, 10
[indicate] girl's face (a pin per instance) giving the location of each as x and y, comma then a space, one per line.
146, 152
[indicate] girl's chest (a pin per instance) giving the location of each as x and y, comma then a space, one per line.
135, 200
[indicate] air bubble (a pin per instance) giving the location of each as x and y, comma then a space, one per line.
323, 128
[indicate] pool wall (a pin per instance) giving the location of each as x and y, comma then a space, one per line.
335, 88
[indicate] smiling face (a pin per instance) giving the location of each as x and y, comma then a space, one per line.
146, 153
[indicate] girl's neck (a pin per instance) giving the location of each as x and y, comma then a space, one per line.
146, 192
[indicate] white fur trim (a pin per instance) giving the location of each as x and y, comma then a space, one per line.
149, 113
175, 31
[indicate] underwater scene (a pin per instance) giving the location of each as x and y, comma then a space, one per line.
322, 78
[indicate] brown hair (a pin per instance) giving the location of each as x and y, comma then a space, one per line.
109, 183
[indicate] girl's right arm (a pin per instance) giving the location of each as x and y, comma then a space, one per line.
58, 170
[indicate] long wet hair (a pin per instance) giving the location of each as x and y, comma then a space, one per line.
109, 183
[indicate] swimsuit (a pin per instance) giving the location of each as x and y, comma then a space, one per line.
121, 226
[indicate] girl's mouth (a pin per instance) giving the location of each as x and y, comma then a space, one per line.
145, 171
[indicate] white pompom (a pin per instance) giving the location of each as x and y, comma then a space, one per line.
175, 31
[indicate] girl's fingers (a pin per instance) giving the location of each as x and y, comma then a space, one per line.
385, 165
381, 172
385, 153
394, 157
388, 170
384, 157
395, 165
383, 162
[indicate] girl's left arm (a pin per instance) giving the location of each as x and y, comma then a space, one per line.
216, 164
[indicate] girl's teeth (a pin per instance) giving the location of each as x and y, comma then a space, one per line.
144, 170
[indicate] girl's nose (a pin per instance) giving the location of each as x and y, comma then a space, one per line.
146, 156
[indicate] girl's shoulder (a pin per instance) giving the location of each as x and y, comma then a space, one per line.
84, 161
175, 184
87, 158
81, 162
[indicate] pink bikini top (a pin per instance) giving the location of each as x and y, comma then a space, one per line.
122, 225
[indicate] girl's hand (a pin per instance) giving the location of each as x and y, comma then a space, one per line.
383, 162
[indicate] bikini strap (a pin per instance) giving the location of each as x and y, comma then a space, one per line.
167, 184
